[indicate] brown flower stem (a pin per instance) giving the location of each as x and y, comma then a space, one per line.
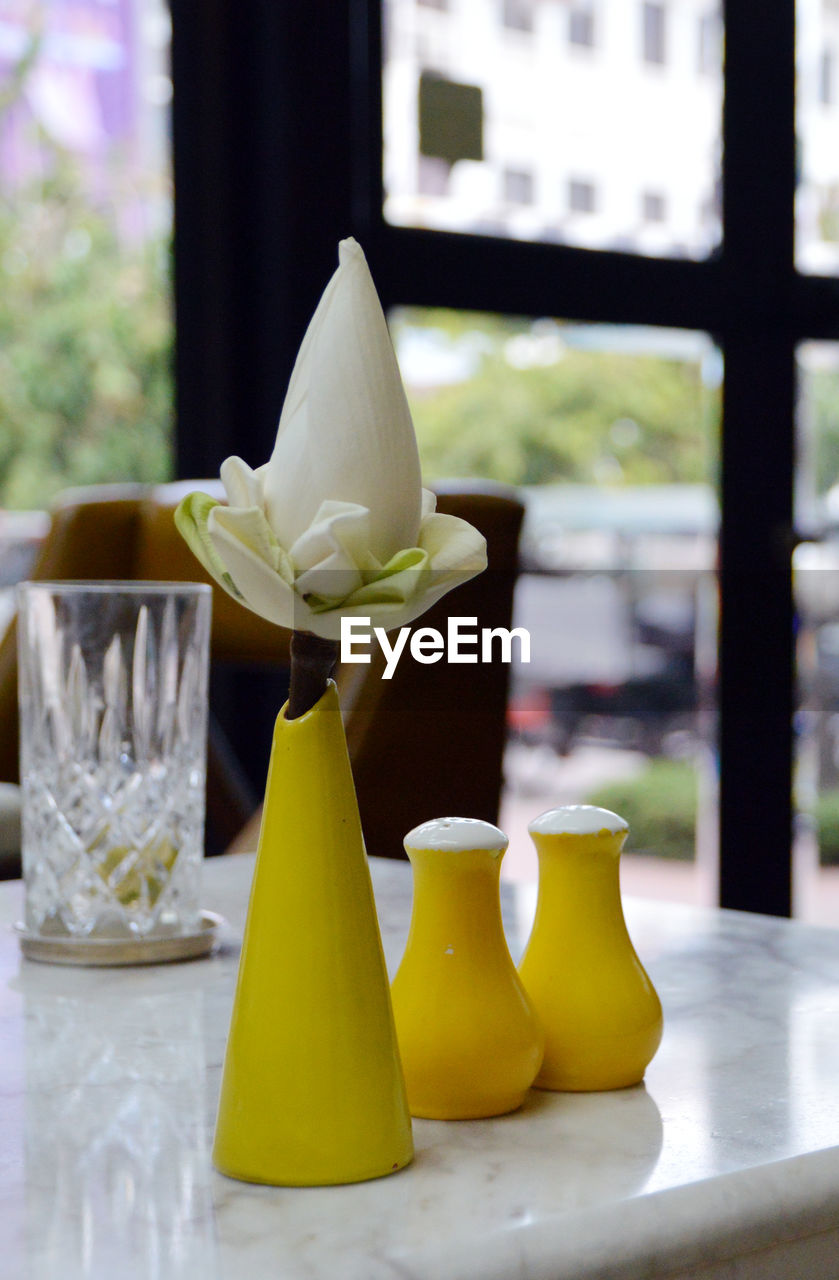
312, 662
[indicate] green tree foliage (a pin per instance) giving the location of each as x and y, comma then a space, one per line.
85, 340
823, 397
536, 409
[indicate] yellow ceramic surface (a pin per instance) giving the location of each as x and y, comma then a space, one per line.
601, 1014
312, 1090
469, 1040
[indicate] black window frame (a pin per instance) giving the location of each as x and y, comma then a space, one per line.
278, 144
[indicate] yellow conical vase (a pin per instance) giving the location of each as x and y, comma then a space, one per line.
312, 1090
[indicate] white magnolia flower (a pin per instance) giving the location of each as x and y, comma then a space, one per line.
337, 522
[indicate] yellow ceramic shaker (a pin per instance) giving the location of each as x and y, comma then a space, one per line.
601, 1014
469, 1040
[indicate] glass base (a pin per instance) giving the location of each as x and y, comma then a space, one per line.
152, 948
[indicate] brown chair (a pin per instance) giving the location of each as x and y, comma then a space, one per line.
428, 742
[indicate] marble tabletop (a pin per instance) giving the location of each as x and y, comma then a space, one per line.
725, 1165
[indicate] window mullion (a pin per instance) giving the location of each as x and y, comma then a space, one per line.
758, 337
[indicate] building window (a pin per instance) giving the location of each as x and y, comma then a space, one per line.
450, 118
581, 26
708, 210
581, 196
518, 186
708, 53
433, 176
517, 14
653, 33
653, 206
826, 90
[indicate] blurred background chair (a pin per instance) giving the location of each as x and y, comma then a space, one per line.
426, 743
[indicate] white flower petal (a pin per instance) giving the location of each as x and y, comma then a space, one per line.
343, 525
345, 432
325, 625
390, 616
249, 525
456, 552
330, 556
331, 581
241, 484
454, 544
262, 589
429, 504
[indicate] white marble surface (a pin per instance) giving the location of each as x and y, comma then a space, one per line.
725, 1166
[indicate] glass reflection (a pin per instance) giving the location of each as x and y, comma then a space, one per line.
116, 1144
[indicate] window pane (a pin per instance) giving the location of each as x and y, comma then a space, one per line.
709, 43
518, 186
653, 206
581, 28
582, 197
518, 14
654, 33
625, 98
816, 563
85, 328
817, 127
610, 434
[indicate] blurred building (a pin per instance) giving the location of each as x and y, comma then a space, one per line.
89, 79
588, 122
